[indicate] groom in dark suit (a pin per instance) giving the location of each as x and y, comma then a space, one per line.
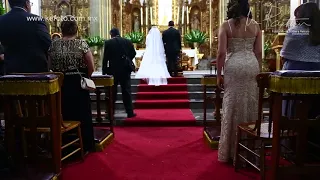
172, 44
114, 64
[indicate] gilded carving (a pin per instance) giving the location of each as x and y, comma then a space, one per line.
131, 13
126, 18
215, 26
156, 9
195, 18
54, 10
116, 13
200, 19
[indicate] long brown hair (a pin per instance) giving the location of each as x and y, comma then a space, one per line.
238, 9
308, 14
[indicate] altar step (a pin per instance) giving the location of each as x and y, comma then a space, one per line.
195, 99
191, 88
195, 90
195, 95
194, 104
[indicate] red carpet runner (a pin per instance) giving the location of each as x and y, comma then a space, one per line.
168, 104
155, 153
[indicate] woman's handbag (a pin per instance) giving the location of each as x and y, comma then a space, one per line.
87, 84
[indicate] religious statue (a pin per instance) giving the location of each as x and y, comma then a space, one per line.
55, 27
136, 24
84, 29
195, 24
63, 10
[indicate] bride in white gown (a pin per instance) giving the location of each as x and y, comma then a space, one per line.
153, 67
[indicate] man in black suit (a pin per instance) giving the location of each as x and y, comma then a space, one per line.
172, 44
25, 38
114, 64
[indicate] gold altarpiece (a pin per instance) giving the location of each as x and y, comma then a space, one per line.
116, 8
205, 12
274, 18
133, 13
53, 10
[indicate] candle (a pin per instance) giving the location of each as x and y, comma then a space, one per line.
262, 40
187, 15
151, 18
182, 22
146, 16
141, 20
178, 15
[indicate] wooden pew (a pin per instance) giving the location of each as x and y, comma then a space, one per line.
30, 92
103, 130
247, 149
211, 130
302, 87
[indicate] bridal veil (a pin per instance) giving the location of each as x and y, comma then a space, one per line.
153, 67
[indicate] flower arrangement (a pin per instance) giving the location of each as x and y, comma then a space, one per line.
196, 36
135, 37
95, 41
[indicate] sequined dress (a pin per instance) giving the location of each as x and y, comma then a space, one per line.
240, 99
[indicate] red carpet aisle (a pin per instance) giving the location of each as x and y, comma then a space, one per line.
155, 153
167, 104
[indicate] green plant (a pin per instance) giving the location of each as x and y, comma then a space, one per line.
2, 8
267, 47
95, 41
196, 36
135, 37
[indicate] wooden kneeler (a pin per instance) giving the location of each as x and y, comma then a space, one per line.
103, 130
32, 102
211, 130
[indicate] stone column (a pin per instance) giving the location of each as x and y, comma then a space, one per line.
95, 14
101, 22
100, 11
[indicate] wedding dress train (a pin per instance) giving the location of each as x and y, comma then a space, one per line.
153, 66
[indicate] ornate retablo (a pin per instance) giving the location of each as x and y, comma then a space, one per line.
29, 84
103, 80
209, 79
295, 82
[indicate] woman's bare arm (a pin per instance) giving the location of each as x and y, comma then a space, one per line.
222, 49
258, 47
89, 62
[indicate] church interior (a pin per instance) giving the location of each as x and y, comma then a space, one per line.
176, 132
197, 20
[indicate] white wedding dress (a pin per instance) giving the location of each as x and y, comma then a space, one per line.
153, 66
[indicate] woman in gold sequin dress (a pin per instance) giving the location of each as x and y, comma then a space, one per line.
239, 56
